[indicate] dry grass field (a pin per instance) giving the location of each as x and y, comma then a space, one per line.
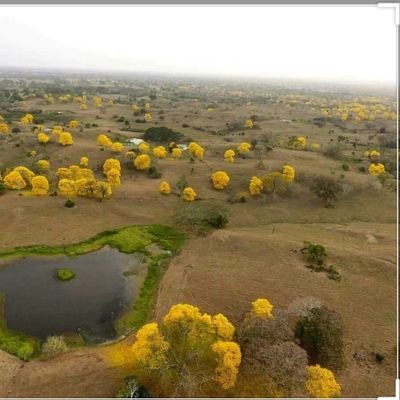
256, 255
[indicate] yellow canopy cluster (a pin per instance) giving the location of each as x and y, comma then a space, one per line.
3, 127
65, 139
188, 194
244, 148
248, 124
84, 162
27, 119
117, 147
160, 152
176, 153
321, 382
196, 150
40, 185
73, 124
288, 173
376, 169
43, 165
142, 162
220, 180
144, 148
43, 138
262, 308
104, 140
229, 156
255, 186
165, 188
19, 178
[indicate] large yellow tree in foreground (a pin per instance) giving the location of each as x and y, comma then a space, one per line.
188, 351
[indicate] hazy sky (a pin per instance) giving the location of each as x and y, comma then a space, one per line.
330, 43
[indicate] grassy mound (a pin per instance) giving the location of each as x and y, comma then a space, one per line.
65, 274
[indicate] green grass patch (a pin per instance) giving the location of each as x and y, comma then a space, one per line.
18, 344
142, 307
128, 239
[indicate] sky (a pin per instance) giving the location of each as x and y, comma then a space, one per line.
333, 44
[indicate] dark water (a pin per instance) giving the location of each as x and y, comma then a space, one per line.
37, 303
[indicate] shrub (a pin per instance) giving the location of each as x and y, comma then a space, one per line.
17, 345
54, 345
315, 253
154, 173
321, 334
379, 357
345, 167
69, 204
3, 188
362, 169
181, 184
202, 216
162, 134
326, 188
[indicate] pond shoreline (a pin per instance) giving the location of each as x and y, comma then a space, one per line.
141, 239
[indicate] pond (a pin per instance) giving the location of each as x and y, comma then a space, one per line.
37, 303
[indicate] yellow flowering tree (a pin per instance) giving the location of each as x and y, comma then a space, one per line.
27, 119
244, 148
104, 140
83, 107
117, 147
176, 153
84, 162
14, 180
297, 142
142, 162
248, 124
255, 186
321, 382
160, 152
43, 165
194, 347
40, 185
73, 124
111, 163
67, 187
147, 117
165, 188
57, 129
144, 148
43, 138
3, 127
288, 173
196, 150
220, 180
229, 156
65, 139
26, 174
114, 176
188, 194
376, 169
262, 308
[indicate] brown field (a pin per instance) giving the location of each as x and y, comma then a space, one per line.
256, 255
